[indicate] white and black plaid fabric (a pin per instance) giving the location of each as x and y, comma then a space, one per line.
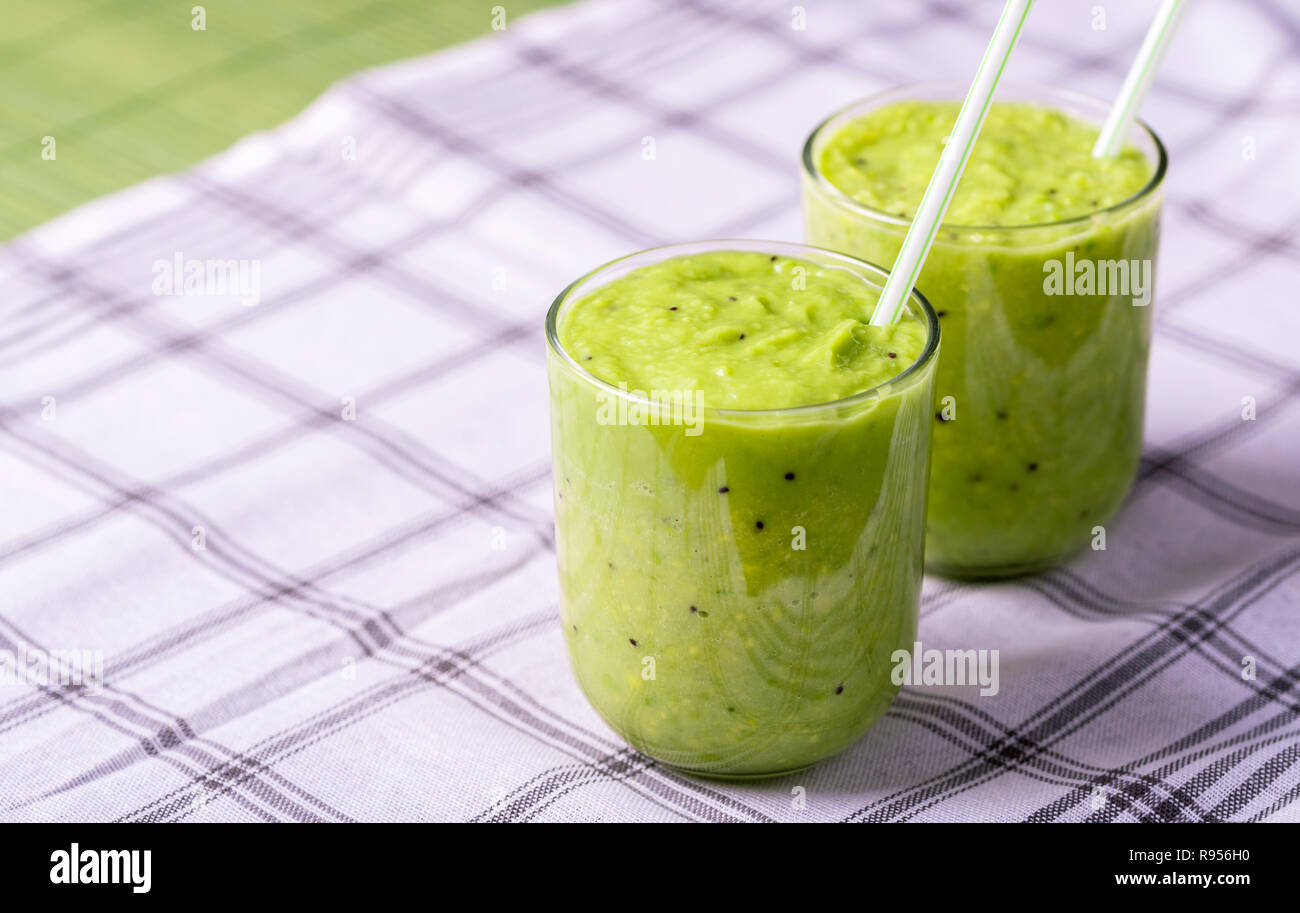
312, 536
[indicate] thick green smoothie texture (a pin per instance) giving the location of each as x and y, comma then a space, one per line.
732, 599
747, 330
1038, 426
1032, 164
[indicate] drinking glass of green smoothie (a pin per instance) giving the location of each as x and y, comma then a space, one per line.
1041, 275
740, 466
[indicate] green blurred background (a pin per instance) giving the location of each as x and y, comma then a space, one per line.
129, 89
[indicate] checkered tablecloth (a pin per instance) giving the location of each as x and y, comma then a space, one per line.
311, 536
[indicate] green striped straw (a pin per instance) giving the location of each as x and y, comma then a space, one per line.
1138, 81
956, 152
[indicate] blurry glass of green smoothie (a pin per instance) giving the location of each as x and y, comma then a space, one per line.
740, 468
1042, 276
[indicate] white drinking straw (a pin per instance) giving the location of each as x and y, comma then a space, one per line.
1138, 80
956, 152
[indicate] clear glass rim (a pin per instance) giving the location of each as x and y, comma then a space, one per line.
794, 250
897, 93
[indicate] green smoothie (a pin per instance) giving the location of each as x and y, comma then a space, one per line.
735, 583
1041, 387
